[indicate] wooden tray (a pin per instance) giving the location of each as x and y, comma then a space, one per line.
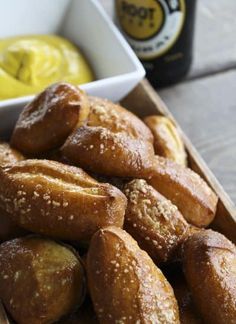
144, 101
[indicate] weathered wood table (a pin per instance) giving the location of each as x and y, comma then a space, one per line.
204, 104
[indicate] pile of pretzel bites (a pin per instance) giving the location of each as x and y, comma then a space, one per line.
101, 220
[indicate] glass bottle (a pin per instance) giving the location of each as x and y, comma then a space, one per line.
161, 33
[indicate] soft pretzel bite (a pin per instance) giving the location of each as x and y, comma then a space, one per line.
125, 285
210, 270
48, 120
114, 117
8, 155
114, 142
40, 280
153, 221
186, 189
167, 141
99, 150
58, 200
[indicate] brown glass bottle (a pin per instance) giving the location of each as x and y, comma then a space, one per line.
161, 33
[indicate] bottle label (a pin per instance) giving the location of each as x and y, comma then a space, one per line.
151, 26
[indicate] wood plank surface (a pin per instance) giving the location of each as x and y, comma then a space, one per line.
206, 110
215, 44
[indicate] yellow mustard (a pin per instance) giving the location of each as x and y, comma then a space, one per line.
28, 64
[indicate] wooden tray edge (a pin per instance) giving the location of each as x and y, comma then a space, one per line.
144, 94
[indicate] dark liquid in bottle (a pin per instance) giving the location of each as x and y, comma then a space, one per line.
161, 34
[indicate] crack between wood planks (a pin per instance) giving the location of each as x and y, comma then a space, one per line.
209, 73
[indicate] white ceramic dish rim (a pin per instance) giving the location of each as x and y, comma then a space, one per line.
138, 72
25, 99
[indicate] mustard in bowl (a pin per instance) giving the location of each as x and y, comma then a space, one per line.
28, 64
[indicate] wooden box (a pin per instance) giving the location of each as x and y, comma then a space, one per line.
144, 101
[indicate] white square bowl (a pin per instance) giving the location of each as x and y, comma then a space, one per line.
86, 24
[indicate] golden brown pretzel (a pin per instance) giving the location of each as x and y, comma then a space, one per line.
210, 270
48, 120
167, 141
153, 221
117, 119
9, 155
125, 285
114, 142
110, 154
40, 280
190, 193
61, 201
